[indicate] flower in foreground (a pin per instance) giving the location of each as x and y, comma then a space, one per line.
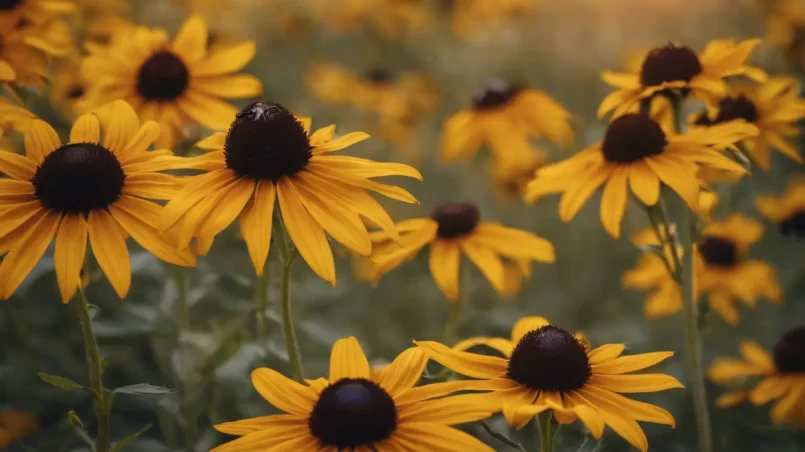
270, 154
674, 67
787, 210
356, 409
87, 189
502, 254
723, 271
783, 377
637, 156
176, 83
547, 368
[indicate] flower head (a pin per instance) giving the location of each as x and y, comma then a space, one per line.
27, 47
787, 210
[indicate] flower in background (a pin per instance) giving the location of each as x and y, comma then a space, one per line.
675, 67
636, 154
722, 268
176, 83
502, 254
503, 117
15, 426
783, 377
661, 109
787, 210
84, 188
548, 369
471, 18
512, 182
37, 11
388, 17
785, 21
269, 154
26, 50
774, 107
357, 409
69, 88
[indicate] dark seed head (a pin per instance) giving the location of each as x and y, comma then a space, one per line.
731, 108
79, 177
456, 219
794, 225
8, 5
549, 359
789, 352
669, 64
633, 137
75, 92
719, 252
164, 76
495, 93
352, 413
379, 76
266, 142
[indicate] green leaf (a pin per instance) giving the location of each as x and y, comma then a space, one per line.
60, 382
144, 389
125, 442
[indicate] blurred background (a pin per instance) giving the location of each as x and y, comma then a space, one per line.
557, 47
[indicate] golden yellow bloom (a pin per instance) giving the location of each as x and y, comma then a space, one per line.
502, 254
783, 377
85, 188
547, 368
176, 83
637, 156
675, 67
15, 426
774, 107
503, 117
269, 154
512, 182
69, 88
722, 268
26, 50
787, 210
360, 410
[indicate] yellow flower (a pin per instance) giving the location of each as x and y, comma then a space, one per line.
13, 116
502, 254
26, 49
774, 107
471, 18
86, 187
68, 89
547, 368
787, 211
35, 10
268, 154
783, 377
785, 20
388, 17
675, 67
15, 426
637, 156
512, 182
723, 271
502, 117
360, 410
175, 83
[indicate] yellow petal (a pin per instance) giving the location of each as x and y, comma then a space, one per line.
21, 259
284, 393
613, 202
69, 253
404, 372
110, 250
469, 364
40, 140
347, 360
87, 129
445, 260
525, 325
256, 222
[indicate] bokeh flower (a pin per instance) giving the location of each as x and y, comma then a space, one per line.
357, 409
84, 190
68, 89
37, 11
503, 254
27, 48
386, 17
786, 211
16, 425
473, 18
785, 20
269, 154
782, 374
637, 156
176, 83
548, 369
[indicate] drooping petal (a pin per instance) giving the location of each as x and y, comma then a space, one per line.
21, 259
69, 253
430, 437
445, 260
256, 222
110, 250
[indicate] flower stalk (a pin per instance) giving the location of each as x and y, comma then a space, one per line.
289, 252
99, 396
261, 303
547, 432
188, 405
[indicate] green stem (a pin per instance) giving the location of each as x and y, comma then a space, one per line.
261, 302
181, 311
182, 314
455, 308
294, 357
95, 373
546, 431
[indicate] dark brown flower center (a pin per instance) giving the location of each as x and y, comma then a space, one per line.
79, 177
549, 359
669, 64
164, 76
353, 413
456, 219
732, 108
75, 92
719, 252
8, 5
794, 225
633, 137
379, 76
789, 352
266, 142
494, 93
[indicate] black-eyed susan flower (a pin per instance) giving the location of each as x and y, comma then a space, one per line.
269, 154
637, 156
782, 373
27, 48
774, 107
786, 211
175, 83
357, 409
16, 425
502, 254
86, 190
503, 117
723, 271
678, 68
548, 369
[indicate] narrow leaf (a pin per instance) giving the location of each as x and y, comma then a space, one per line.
144, 389
60, 382
125, 442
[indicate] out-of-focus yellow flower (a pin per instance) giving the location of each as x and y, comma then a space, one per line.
16, 425
388, 17
37, 11
472, 18
785, 23
786, 211
69, 87
27, 48
13, 116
